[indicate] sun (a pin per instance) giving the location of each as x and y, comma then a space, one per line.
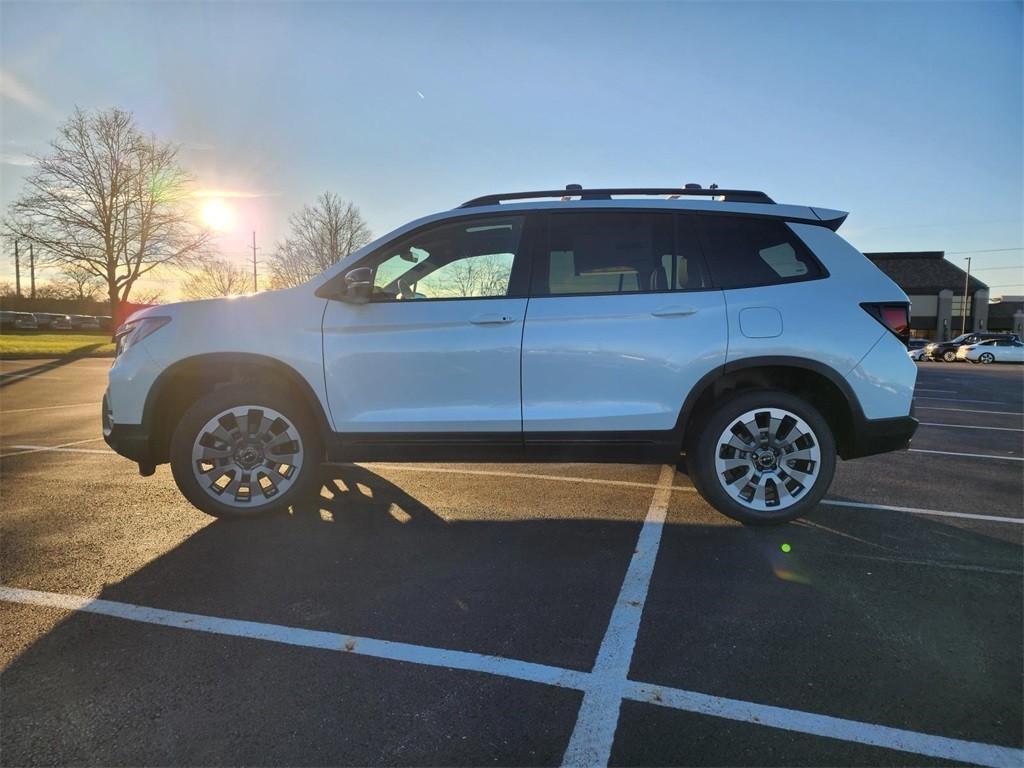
217, 215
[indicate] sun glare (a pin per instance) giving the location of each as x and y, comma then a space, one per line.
217, 215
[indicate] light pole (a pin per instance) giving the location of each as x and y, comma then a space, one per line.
967, 282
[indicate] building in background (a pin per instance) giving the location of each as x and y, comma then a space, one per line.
936, 290
1006, 313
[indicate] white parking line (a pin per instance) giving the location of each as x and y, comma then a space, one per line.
829, 727
920, 511
963, 400
522, 475
63, 447
49, 408
969, 426
591, 741
940, 391
967, 455
968, 410
793, 720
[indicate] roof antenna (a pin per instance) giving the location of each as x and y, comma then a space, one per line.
572, 188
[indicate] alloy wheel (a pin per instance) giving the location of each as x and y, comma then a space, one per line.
247, 455
767, 459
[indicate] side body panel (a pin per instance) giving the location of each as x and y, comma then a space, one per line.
424, 366
619, 362
822, 320
283, 325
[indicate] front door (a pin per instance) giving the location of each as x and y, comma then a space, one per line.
436, 351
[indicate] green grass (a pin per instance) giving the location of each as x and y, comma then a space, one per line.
27, 344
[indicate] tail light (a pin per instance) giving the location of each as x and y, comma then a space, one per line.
895, 317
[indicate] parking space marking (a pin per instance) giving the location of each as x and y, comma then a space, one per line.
919, 511
49, 408
940, 391
591, 741
307, 638
524, 475
969, 426
964, 400
63, 447
967, 455
794, 720
855, 731
968, 410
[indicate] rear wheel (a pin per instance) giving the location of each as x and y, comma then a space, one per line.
245, 450
986, 357
763, 458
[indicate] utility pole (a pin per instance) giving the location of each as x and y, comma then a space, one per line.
17, 271
32, 268
967, 282
254, 261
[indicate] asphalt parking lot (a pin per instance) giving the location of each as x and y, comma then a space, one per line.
513, 614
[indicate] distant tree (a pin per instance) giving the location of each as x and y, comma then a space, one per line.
109, 200
7, 289
320, 235
77, 282
215, 277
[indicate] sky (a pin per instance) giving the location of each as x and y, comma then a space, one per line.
908, 115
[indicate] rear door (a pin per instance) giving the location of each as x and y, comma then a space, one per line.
621, 325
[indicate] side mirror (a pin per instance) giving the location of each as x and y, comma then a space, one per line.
358, 285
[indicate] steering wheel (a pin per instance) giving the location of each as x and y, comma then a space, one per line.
406, 290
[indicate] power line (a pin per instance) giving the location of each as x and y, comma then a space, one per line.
988, 250
989, 269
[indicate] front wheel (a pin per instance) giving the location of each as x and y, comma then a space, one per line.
244, 450
763, 458
986, 358
949, 356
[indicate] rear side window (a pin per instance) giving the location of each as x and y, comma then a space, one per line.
744, 252
616, 252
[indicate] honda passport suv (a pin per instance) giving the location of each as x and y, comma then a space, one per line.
591, 325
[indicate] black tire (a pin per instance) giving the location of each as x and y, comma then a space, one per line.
703, 447
986, 358
949, 356
303, 487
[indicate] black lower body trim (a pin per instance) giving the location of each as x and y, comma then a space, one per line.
874, 436
503, 447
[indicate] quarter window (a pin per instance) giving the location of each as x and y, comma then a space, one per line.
746, 252
465, 260
615, 252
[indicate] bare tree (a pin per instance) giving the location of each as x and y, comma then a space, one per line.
321, 234
78, 282
215, 277
109, 200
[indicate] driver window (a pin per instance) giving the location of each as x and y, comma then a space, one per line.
470, 259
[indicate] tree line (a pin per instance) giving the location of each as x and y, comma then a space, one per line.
107, 204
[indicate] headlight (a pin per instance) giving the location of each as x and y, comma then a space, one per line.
134, 331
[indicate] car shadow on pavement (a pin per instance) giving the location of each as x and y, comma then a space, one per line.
727, 613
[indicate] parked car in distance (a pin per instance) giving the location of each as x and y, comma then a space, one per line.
946, 350
17, 321
84, 323
51, 321
624, 325
993, 351
917, 355
104, 321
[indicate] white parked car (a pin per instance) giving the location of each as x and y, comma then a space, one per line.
993, 351
625, 325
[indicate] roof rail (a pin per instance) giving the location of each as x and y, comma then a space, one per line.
575, 190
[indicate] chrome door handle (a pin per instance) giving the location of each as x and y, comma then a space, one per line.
492, 319
674, 311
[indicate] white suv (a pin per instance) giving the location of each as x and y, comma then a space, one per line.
613, 325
